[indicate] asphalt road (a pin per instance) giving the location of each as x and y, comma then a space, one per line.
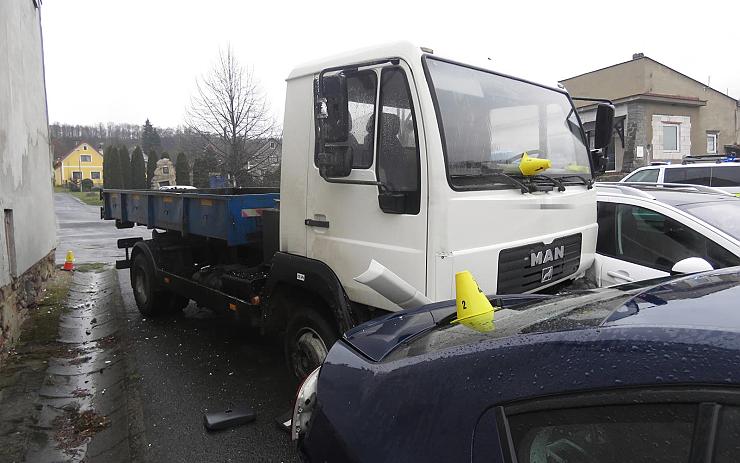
186, 365
197, 362
80, 230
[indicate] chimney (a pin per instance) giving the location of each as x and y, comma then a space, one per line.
638, 55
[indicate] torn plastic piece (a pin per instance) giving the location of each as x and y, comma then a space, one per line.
285, 420
228, 418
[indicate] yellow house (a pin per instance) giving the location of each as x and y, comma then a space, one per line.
81, 163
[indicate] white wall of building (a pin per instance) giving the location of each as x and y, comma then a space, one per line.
25, 155
683, 124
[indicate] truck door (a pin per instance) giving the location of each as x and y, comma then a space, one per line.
349, 224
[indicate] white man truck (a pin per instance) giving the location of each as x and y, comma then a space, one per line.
390, 154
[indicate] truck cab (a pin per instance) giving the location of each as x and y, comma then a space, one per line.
394, 154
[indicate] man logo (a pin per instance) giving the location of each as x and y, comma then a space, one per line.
546, 275
549, 255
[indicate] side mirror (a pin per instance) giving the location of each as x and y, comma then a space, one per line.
599, 160
604, 125
332, 112
336, 162
332, 115
392, 202
692, 265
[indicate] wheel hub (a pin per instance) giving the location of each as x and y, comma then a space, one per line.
310, 352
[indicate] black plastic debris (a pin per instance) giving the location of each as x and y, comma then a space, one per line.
228, 418
285, 420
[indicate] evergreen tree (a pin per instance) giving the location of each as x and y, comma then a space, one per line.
138, 171
182, 170
113, 176
151, 165
200, 173
149, 138
109, 159
124, 162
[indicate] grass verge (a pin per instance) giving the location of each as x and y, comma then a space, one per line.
88, 197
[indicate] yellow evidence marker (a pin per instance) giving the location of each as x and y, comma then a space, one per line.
474, 310
530, 166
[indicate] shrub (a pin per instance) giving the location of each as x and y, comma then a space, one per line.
87, 184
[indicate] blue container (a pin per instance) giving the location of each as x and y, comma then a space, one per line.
229, 214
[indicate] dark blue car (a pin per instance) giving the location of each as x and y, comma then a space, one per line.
638, 373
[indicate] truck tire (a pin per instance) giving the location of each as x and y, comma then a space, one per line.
308, 338
150, 301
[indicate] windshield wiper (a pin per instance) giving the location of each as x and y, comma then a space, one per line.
509, 179
553, 181
589, 183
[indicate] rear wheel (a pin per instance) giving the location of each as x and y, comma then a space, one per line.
308, 338
150, 301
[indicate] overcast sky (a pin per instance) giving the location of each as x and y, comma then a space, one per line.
128, 60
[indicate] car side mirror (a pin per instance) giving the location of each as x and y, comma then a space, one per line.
332, 110
604, 125
692, 265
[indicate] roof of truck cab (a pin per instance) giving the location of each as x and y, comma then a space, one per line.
405, 50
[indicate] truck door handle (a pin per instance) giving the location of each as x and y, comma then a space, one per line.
621, 274
317, 223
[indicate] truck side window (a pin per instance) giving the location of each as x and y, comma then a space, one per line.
398, 147
361, 89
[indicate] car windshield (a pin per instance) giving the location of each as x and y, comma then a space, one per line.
489, 121
720, 214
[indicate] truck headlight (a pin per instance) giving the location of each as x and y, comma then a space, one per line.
305, 402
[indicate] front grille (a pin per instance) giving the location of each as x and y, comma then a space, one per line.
516, 274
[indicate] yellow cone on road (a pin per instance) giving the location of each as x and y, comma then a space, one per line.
530, 166
69, 261
474, 310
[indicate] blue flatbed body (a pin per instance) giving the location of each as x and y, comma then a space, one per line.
229, 214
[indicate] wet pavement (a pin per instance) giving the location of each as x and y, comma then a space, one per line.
197, 362
83, 404
80, 229
185, 365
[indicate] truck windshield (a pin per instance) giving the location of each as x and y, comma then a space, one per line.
489, 121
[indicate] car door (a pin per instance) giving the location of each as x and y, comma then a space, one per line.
348, 225
618, 259
643, 240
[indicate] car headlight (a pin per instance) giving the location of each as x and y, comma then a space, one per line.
305, 402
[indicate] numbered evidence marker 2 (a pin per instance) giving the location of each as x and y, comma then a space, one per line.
474, 310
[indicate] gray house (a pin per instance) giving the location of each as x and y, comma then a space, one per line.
661, 114
27, 229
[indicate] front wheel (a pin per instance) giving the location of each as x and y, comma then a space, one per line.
308, 338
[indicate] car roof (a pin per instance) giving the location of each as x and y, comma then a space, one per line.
691, 164
676, 195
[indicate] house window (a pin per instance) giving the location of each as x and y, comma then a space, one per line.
670, 137
95, 175
84, 147
273, 145
165, 170
711, 143
85, 158
77, 175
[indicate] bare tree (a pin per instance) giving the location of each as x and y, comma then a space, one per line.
231, 113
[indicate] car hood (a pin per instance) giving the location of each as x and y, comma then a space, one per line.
707, 299
376, 338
